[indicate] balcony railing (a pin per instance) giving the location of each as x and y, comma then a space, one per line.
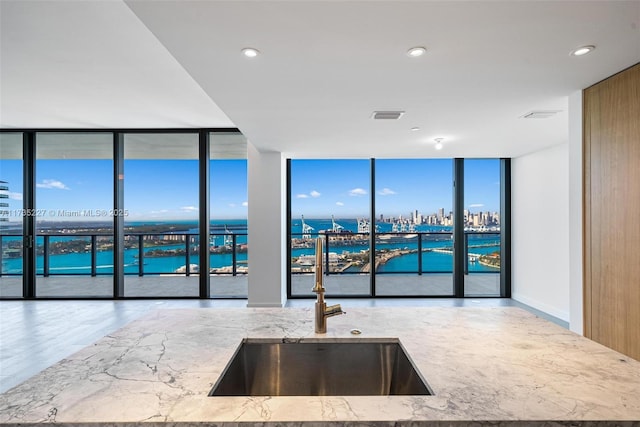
396, 253
92, 254
344, 253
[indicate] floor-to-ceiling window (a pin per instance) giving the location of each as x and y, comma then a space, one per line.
482, 227
228, 245
11, 214
104, 213
161, 205
387, 225
414, 225
430, 236
74, 218
331, 200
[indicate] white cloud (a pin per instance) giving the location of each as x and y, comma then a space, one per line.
15, 196
245, 204
339, 204
313, 194
161, 211
358, 192
232, 205
52, 184
476, 205
189, 209
386, 192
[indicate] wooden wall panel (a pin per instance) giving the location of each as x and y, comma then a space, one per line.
612, 212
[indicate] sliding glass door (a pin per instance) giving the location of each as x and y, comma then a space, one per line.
482, 231
74, 228
161, 205
414, 227
330, 200
228, 195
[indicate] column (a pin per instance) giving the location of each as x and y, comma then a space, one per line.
267, 228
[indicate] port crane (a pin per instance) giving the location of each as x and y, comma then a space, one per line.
335, 227
363, 226
228, 238
306, 229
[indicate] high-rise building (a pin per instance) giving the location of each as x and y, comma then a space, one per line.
4, 215
414, 216
4, 194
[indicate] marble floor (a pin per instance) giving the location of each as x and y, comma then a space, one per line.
37, 334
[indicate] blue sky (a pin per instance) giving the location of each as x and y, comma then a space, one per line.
153, 189
482, 185
167, 189
323, 188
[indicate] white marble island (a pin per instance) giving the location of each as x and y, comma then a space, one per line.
483, 364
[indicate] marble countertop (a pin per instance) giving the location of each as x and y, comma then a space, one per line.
483, 364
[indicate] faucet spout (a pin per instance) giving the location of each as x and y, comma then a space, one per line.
322, 311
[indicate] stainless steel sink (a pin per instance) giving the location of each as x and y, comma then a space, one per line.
320, 368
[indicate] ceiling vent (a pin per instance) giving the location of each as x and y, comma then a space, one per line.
540, 114
387, 115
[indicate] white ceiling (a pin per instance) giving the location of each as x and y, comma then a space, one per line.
92, 64
325, 67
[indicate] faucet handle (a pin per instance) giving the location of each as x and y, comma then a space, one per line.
333, 310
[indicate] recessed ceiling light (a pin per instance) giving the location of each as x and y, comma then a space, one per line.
414, 52
415, 129
438, 143
582, 50
387, 115
250, 52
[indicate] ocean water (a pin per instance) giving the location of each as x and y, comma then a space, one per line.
80, 263
431, 261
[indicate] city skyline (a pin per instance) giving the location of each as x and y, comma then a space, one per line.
167, 189
321, 188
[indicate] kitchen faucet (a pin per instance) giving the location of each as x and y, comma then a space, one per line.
322, 311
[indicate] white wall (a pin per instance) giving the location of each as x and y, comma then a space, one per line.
266, 224
540, 230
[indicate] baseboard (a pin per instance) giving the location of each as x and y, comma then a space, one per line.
552, 311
